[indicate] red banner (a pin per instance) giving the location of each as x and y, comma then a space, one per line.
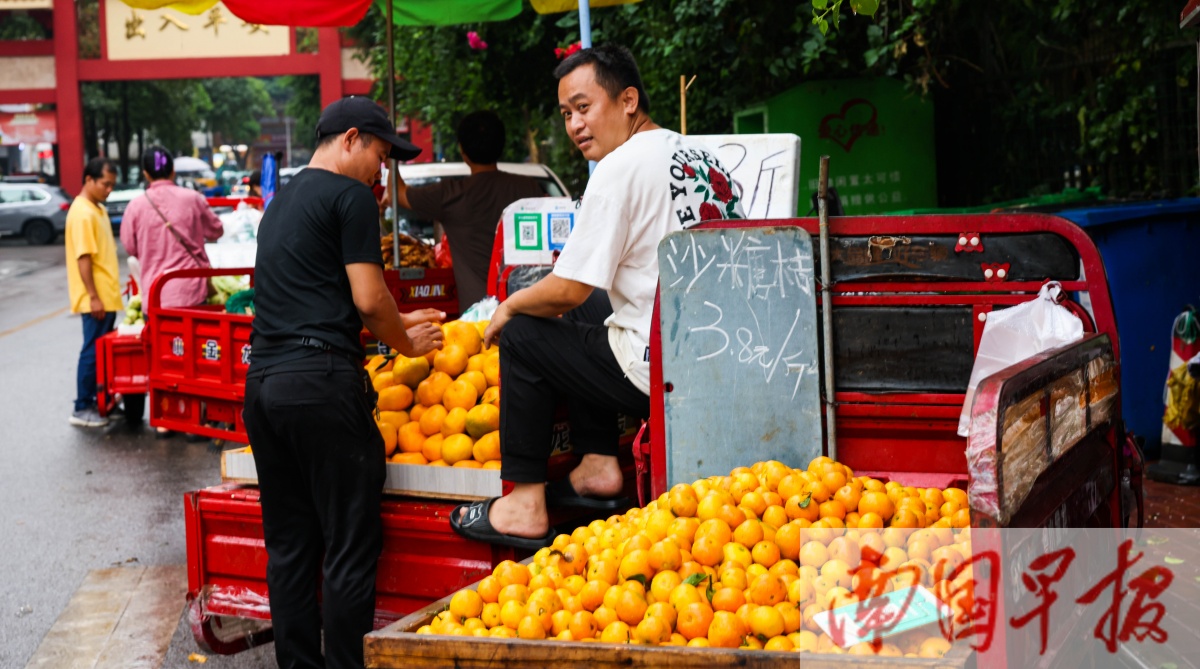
309, 13
28, 128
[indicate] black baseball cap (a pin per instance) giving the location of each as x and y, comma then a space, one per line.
368, 117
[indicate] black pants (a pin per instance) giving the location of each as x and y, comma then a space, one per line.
320, 462
547, 360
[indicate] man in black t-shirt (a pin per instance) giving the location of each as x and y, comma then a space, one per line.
309, 402
470, 208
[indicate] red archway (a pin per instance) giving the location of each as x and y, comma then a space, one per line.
69, 70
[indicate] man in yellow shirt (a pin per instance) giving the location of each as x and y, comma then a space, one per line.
93, 279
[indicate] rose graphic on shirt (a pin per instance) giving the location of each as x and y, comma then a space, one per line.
710, 212
720, 185
691, 173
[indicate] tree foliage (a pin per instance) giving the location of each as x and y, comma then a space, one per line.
1091, 85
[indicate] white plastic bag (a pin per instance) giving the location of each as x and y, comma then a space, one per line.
1017, 333
481, 310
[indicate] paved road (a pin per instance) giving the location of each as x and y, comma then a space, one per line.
73, 500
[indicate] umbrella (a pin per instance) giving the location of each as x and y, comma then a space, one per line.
190, 164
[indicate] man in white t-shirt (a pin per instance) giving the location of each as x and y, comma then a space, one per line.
648, 182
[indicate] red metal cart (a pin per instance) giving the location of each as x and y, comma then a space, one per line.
897, 404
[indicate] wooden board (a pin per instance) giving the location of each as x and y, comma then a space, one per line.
443, 483
738, 316
399, 646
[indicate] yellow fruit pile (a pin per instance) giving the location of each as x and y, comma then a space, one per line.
739, 561
442, 409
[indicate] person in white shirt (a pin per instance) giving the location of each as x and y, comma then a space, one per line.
649, 181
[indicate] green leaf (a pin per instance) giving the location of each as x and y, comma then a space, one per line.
700, 189
1155, 541
806, 501
710, 592
695, 579
1172, 560
824, 26
640, 578
820, 4
867, 7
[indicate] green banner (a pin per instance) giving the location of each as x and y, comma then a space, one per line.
450, 12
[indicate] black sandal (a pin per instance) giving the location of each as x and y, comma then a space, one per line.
562, 493
471, 521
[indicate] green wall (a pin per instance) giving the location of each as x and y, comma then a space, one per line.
878, 136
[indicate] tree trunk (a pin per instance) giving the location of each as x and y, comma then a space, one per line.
124, 135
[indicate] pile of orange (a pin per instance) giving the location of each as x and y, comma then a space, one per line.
739, 561
442, 409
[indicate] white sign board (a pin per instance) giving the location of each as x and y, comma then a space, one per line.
535, 228
765, 171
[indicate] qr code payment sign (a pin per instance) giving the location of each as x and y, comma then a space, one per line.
560, 225
529, 230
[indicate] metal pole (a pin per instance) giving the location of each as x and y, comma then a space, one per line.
585, 24
827, 307
585, 41
391, 92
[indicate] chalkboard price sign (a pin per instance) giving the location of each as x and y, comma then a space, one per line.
738, 316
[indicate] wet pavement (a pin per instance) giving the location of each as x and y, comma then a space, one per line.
75, 500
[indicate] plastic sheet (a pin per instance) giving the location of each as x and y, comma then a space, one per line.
229, 600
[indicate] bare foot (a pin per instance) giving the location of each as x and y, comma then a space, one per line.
522, 513
598, 476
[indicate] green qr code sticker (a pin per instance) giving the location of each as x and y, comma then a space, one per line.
529, 231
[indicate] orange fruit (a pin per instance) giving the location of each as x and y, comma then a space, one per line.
454, 422
663, 583
849, 496
482, 419
466, 604
531, 628
631, 606
468, 464
728, 599
408, 459
456, 448
517, 592
489, 588
765, 553
956, 495
460, 394
475, 379
829, 509
651, 630
582, 626
451, 360
492, 464
636, 565
726, 630
510, 572
490, 396
409, 371
491, 370
819, 491
683, 500
775, 516
382, 380
430, 391
766, 621
431, 447
604, 616
475, 362
395, 398
388, 432
814, 554
961, 518
616, 632
694, 620
592, 594
767, 590
431, 420
487, 448
409, 438
464, 335
396, 418
438, 463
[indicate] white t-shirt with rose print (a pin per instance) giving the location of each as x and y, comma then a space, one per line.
655, 183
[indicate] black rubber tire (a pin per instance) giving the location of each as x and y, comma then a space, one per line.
135, 409
40, 232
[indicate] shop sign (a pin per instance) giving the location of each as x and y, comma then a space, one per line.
141, 34
28, 127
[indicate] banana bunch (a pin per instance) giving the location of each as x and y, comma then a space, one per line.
413, 253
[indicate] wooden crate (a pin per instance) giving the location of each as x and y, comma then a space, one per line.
399, 646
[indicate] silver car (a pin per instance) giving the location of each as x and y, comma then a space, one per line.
36, 211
